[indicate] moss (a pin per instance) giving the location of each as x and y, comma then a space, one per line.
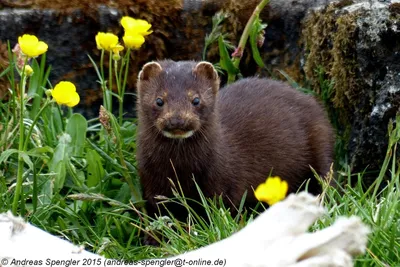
329, 38
344, 62
344, 3
394, 9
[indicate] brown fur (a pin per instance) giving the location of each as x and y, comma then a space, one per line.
242, 133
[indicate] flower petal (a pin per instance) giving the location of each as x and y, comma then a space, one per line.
135, 26
31, 46
133, 41
64, 93
106, 41
74, 100
42, 47
127, 22
273, 190
118, 48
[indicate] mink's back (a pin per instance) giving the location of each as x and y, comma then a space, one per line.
269, 126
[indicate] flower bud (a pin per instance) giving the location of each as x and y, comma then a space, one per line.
48, 92
116, 57
28, 71
261, 38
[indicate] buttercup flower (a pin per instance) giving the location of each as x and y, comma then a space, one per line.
273, 190
106, 41
133, 41
65, 94
135, 26
31, 46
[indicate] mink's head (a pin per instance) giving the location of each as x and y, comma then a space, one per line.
178, 98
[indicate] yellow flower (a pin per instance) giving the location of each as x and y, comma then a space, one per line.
28, 71
65, 94
116, 49
106, 41
135, 26
31, 46
133, 41
273, 190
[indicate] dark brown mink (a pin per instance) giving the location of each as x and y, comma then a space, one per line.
229, 140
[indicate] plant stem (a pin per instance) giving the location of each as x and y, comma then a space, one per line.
118, 83
21, 142
245, 36
34, 123
110, 74
127, 176
393, 139
101, 64
12, 83
126, 60
103, 85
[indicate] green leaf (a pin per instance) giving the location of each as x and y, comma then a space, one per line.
225, 60
40, 152
256, 29
124, 194
77, 128
4, 72
112, 161
36, 84
78, 177
27, 159
35, 192
46, 193
57, 165
6, 154
95, 171
54, 121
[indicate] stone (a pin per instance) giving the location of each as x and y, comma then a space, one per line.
356, 43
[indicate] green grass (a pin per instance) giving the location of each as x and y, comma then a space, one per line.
80, 183
103, 218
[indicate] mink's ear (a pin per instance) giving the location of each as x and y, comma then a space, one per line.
149, 70
206, 70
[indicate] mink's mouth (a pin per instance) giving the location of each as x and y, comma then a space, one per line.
178, 134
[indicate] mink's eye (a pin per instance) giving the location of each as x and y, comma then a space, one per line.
159, 102
196, 101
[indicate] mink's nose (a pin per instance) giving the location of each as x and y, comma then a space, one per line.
176, 122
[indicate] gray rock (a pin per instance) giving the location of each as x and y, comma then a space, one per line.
372, 99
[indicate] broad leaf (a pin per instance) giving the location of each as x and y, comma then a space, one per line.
225, 60
256, 29
57, 165
77, 128
95, 171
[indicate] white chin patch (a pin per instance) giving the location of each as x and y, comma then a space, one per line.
178, 136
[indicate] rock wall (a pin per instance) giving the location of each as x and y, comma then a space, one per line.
357, 44
180, 26
348, 51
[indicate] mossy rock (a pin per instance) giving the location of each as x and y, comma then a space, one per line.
357, 45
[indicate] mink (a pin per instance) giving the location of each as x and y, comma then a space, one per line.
228, 140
